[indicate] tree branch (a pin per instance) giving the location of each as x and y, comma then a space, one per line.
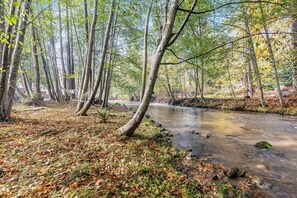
219, 46
227, 4
183, 24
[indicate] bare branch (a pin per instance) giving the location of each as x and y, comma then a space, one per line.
220, 46
227, 4
183, 25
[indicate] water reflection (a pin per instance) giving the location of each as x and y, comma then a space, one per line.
233, 135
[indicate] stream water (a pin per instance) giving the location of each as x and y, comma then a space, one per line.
232, 139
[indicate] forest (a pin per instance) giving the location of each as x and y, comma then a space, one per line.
69, 69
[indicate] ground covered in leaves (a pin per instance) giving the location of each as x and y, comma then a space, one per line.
50, 152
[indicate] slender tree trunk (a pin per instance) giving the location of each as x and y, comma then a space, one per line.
113, 42
78, 44
5, 61
25, 82
88, 63
272, 58
168, 83
250, 89
255, 63
197, 81
2, 28
45, 68
68, 52
16, 60
230, 79
86, 19
202, 60
129, 128
294, 37
87, 105
35, 60
145, 53
56, 71
62, 52
72, 64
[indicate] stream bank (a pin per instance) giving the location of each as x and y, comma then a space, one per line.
229, 137
242, 104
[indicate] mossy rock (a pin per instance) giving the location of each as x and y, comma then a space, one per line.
263, 145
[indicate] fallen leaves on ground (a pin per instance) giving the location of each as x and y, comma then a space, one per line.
53, 153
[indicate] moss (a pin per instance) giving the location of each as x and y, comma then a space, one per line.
263, 145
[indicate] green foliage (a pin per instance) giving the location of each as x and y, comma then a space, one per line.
263, 145
37, 96
103, 114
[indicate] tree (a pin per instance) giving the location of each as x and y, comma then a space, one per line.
294, 36
145, 49
272, 57
16, 59
83, 110
166, 40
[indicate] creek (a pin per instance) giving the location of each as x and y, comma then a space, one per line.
229, 138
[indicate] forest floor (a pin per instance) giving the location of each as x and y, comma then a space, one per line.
244, 104
50, 152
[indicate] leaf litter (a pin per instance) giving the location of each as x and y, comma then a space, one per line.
53, 153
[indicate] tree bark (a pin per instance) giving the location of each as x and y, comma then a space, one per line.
202, 60
88, 63
168, 83
86, 19
62, 52
5, 61
129, 128
87, 105
2, 27
26, 82
294, 38
255, 63
45, 68
16, 60
250, 89
35, 60
68, 52
272, 58
145, 53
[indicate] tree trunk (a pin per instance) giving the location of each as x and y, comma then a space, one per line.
79, 45
2, 28
129, 128
5, 61
197, 81
202, 61
250, 89
145, 50
86, 106
45, 68
168, 83
62, 52
272, 58
86, 19
56, 71
16, 60
294, 36
255, 63
26, 82
68, 52
35, 61
88, 63
113, 42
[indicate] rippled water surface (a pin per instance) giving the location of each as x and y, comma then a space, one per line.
232, 139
